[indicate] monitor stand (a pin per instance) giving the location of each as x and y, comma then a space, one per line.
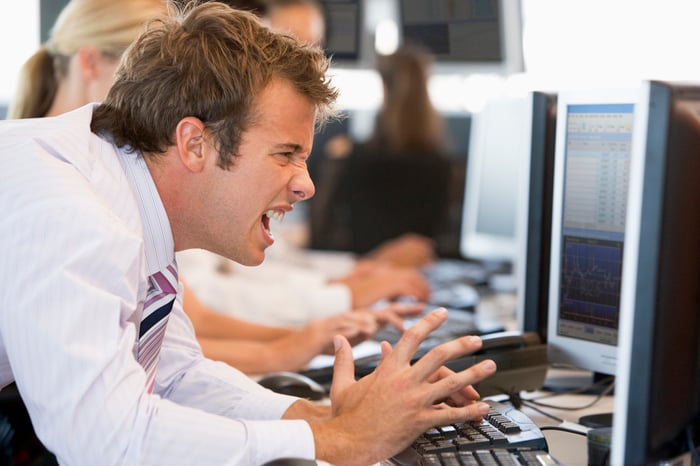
576, 380
596, 420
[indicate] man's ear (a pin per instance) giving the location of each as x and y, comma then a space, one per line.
191, 143
88, 59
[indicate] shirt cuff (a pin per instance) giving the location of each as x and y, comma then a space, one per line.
285, 439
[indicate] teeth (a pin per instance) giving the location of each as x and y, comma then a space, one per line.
275, 215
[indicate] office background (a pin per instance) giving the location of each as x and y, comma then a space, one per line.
566, 44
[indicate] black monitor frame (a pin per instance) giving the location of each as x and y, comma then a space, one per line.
533, 274
344, 28
657, 401
494, 28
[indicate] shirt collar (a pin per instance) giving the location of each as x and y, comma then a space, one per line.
158, 237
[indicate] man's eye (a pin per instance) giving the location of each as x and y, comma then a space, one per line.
284, 156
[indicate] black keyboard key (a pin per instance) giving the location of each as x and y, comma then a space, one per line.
486, 458
496, 440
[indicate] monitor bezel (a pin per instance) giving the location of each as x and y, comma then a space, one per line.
474, 243
564, 350
533, 270
659, 232
341, 58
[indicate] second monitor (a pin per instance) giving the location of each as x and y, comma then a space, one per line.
591, 178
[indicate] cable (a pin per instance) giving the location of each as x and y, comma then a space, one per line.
607, 390
563, 429
603, 381
544, 413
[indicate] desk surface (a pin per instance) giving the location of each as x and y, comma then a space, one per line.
569, 448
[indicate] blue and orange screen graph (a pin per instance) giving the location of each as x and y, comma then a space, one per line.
596, 180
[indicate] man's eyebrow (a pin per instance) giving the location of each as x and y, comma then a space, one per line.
289, 147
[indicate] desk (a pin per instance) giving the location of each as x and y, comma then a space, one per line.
569, 448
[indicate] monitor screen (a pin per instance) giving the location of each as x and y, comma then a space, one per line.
533, 270
591, 170
343, 29
496, 180
657, 395
476, 35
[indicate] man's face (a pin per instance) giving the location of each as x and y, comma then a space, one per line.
268, 175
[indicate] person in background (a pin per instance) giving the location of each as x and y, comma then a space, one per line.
113, 373
259, 349
302, 18
398, 181
77, 63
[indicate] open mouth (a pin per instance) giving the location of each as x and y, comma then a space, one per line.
271, 214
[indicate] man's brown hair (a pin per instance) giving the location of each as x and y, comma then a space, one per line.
211, 62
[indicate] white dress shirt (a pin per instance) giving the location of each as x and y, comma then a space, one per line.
82, 228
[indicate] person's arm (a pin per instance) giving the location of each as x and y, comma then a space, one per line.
210, 325
256, 349
293, 351
408, 250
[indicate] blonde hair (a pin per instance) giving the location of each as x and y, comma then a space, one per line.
108, 25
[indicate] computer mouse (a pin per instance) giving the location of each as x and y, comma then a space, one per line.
295, 384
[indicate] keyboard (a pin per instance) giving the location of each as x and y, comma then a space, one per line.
506, 436
513, 457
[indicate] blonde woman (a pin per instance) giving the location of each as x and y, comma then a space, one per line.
77, 63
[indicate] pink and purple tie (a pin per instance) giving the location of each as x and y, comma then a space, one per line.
159, 302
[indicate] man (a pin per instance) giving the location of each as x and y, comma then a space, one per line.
202, 138
294, 286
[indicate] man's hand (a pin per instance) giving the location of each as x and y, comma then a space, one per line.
382, 413
409, 250
372, 282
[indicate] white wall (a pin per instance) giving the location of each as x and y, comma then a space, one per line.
19, 39
567, 43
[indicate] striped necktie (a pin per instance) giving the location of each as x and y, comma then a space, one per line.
159, 302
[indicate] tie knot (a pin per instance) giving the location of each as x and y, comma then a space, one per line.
165, 280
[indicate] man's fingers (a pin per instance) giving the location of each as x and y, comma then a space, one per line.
414, 336
343, 367
476, 373
444, 352
464, 396
407, 309
388, 317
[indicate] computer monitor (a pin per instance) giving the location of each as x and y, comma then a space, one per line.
657, 394
591, 167
473, 37
496, 181
533, 270
343, 29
